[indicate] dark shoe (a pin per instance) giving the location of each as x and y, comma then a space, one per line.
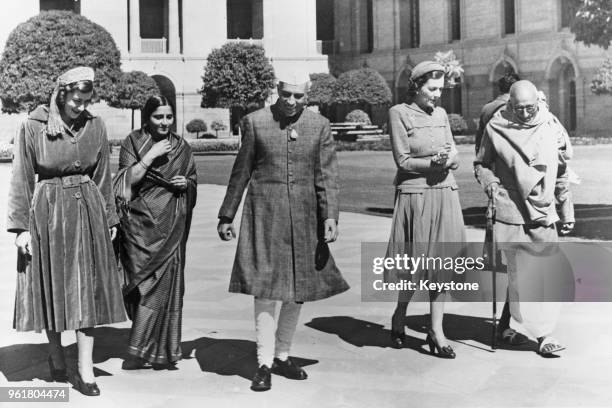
398, 337
89, 389
57, 374
135, 364
288, 369
434, 347
262, 381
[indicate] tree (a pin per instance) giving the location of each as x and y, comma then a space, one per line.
321, 91
40, 49
364, 86
602, 83
217, 125
236, 75
592, 24
592, 21
132, 91
196, 126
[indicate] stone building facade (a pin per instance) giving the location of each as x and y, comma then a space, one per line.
170, 40
489, 37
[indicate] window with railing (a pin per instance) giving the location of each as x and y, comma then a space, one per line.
325, 27
244, 19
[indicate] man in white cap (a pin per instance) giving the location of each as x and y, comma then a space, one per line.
290, 214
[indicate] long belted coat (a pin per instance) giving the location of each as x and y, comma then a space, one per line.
281, 253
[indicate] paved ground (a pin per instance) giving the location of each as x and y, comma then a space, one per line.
342, 341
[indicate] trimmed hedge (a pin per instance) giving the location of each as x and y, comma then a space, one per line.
45, 46
362, 86
358, 116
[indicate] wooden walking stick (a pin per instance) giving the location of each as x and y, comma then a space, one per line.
491, 254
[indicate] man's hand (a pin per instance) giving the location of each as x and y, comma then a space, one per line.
113, 233
491, 189
331, 230
566, 228
226, 230
23, 241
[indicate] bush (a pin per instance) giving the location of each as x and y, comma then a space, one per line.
358, 116
236, 75
200, 146
196, 126
602, 82
370, 145
217, 126
45, 46
362, 86
208, 136
321, 89
458, 125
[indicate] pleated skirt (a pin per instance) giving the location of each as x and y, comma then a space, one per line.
428, 223
71, 281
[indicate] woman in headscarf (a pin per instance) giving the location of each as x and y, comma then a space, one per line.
64, 220
156, 191
427, 212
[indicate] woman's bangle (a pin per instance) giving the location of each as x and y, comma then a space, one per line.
143, 165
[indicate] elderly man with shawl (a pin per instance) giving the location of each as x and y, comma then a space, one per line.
156, 191
290, 213
517, 163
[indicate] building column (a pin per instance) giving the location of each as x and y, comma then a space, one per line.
134, 26
174, 46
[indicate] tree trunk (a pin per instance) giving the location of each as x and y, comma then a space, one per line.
132, 119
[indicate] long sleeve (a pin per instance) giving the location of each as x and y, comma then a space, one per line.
400, 145
22, 183
326, 176
102, 178
241, 172
484, 162
454, 153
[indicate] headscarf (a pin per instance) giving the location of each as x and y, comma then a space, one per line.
55, 124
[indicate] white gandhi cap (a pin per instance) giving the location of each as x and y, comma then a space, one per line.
295, 77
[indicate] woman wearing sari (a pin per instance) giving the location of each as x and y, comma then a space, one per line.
156, 191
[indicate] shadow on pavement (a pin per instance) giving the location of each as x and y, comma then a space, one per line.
593, 221
26, 362
361, 333
459, 328
228, 356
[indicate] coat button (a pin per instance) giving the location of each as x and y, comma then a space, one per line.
78, 195
73, 140
77, 163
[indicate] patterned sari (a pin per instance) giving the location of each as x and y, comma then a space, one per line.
155, 221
